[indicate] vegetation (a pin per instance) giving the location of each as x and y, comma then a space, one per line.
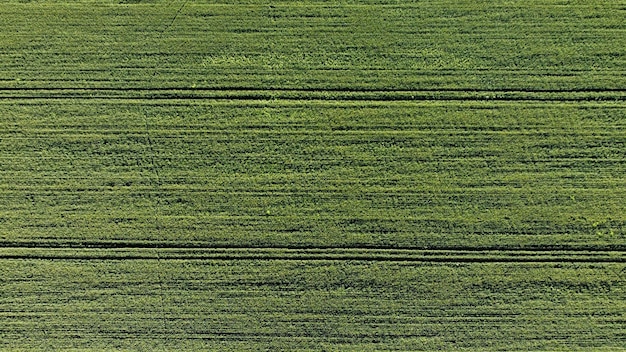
310, 305
313, 175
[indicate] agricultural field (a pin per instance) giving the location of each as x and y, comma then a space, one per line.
312, 175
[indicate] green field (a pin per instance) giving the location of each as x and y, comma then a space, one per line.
313, 175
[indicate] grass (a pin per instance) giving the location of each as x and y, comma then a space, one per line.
313, 175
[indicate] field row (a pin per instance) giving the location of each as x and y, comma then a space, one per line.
331, 44
323, 254
298, 95
310, 305
275, 173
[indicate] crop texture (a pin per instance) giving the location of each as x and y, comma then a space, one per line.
313, 175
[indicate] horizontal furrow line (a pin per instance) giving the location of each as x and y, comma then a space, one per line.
300, 255
169, 245
173, 252
314, 90
249, 93
318, 98
350, 135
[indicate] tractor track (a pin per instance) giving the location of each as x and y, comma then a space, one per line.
470, 255
311, 94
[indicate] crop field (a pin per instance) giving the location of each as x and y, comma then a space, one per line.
312, 175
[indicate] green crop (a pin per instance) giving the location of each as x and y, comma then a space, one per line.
312, 175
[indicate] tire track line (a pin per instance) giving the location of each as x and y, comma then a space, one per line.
311, 89
273, 254
311, 94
